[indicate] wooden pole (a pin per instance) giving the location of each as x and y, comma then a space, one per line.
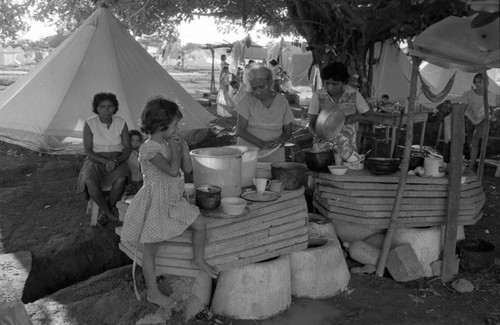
212, 80
486, 131
454, 189
382, 261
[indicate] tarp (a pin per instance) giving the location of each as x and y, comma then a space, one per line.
47, 108
391, 76
453, 43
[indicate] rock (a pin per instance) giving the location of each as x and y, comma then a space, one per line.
376, 240
364, 253
462, 285
366, 269
436, 267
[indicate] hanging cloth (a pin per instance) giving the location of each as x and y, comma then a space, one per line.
436, 98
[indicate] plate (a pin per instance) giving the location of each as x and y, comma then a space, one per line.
265, 196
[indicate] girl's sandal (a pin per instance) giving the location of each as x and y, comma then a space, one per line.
102, 220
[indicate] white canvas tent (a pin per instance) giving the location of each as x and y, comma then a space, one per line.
47, 108
294, 60
391, 75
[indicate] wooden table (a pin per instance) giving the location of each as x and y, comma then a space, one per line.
364, 199
267, 230
392, 121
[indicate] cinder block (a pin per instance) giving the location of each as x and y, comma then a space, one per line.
403, 264
426, 243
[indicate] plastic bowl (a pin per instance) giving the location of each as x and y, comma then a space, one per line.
338, 170
233, 206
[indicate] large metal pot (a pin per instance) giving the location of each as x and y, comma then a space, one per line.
329, 123
293, 175
318, 160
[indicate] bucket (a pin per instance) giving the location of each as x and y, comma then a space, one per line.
220, 167
248, 164
293, 175
434, 167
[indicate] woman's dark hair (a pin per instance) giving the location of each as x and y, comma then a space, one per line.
135, 132
159, 113
336, 71
478, 76
100, 97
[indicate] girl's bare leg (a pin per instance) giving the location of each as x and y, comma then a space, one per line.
199, 237
149, 270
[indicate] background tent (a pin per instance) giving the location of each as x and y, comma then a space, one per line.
47, 108
391, 75
294, 60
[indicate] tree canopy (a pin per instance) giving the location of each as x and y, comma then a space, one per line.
341, 30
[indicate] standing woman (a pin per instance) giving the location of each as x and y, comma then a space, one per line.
264, 117
474, 113
337, 94
107, 146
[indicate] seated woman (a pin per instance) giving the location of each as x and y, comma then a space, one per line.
107, 146
337, 94
264, 118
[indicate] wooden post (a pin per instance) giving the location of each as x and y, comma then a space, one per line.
212, 80
454, 189
404, 169
484, 143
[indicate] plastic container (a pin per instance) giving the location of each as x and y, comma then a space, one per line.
220, 167
248, 164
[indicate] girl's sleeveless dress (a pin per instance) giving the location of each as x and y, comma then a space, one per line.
158, 211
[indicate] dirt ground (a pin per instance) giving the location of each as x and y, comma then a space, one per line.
39, 212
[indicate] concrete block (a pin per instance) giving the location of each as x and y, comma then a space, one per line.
320, 271
426, 243
255, 291
403, 264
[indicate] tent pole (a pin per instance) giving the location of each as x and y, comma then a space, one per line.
486, 131
382, 261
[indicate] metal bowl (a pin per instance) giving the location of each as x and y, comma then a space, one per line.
382, 166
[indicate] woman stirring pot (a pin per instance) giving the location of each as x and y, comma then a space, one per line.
264, 117
337, 94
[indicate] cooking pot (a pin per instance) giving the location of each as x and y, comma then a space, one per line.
208, 196
382, 166
293, 175
329, 123
318, 160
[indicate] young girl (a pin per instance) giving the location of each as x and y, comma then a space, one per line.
158, 212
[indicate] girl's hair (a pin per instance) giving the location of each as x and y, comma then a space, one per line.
136, 133
336, 71
158, 113
100, 97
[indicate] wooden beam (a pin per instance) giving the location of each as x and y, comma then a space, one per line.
404, 168
452, 207
484, 142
